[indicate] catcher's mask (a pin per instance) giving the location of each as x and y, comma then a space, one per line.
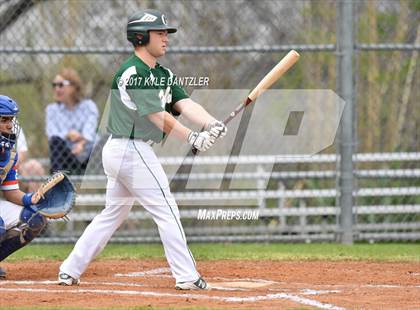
140, 23
10, 125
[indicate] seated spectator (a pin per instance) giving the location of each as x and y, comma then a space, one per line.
71, 123
27, 167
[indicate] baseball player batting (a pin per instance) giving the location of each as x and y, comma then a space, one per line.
144, 102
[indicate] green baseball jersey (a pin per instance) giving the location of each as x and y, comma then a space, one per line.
137, 91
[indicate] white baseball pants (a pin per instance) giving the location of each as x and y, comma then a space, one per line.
10, 213
134, 174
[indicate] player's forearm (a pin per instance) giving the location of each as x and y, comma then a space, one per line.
169, 125
15, 196
194, 112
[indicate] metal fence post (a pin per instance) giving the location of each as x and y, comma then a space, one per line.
261, 186
345, 49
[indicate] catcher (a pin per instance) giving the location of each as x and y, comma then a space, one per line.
24, 216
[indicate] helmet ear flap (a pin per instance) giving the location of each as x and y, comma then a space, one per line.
142, 38
139, 38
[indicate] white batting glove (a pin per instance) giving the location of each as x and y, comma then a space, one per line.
202, 141
217, 129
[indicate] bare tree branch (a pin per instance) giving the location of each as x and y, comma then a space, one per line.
12, 13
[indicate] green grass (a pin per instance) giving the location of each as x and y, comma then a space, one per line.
246, 251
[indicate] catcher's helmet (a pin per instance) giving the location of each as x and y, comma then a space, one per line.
9, 108
142, 22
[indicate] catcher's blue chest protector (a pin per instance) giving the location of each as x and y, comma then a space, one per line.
7, 159
2, 230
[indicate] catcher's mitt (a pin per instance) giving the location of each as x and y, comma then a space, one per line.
55, 198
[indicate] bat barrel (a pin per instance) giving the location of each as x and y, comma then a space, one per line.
284, 64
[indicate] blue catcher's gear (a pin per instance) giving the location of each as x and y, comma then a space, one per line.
9, 109
30, 226
2, 229
54, 199
32, 222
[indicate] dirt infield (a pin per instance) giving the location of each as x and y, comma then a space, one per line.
235, 284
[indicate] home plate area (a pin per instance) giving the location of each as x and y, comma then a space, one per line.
234, 284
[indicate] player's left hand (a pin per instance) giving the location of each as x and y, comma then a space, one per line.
217, 129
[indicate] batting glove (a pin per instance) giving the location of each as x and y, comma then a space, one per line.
202, 141
217, 129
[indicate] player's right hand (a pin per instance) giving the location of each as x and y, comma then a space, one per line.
217, 129
202, 141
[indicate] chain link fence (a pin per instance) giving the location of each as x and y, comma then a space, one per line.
234, 44
387, 102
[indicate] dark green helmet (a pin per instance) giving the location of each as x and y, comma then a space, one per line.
142, 22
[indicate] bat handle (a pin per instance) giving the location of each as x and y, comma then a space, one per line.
231, 116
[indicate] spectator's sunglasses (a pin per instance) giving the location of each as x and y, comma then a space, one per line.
60, 84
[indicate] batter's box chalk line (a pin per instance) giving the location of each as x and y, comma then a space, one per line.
279, 296
246, 279
318, 292
227, 284
159, 272
49, 282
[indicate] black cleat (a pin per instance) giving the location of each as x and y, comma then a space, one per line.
199, 284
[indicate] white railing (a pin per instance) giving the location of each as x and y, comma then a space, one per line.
309, 221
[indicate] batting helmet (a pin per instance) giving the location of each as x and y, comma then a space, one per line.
140, 23
9, 108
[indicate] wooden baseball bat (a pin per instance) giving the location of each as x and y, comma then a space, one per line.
268, 80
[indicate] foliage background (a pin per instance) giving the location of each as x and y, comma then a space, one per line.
387, 96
